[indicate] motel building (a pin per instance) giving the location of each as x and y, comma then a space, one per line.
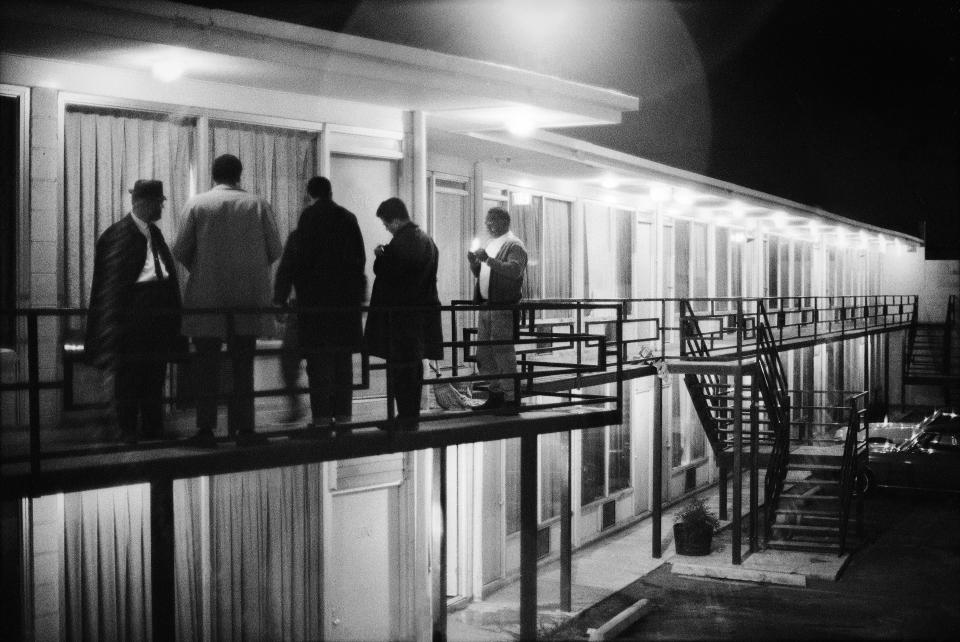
651, 294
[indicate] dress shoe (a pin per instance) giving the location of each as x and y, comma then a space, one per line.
251, 439
494, 401
202, 439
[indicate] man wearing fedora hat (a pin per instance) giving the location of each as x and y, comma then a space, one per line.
134, 312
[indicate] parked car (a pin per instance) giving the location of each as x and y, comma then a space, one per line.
929, 459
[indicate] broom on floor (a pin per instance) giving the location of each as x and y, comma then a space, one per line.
448, 397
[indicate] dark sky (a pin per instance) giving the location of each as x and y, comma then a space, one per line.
851, 106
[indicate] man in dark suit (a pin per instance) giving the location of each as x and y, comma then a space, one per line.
324, 260
134, 315
403, 325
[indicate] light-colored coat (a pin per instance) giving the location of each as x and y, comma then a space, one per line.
228, 241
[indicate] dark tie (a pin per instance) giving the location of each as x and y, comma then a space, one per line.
155, 240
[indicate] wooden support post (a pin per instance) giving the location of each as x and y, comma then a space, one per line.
566, 533
737, 466
528, 537
438, 544
656, 486
162, 560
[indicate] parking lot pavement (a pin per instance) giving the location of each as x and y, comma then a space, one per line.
904, 582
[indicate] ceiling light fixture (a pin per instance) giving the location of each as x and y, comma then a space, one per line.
167, 70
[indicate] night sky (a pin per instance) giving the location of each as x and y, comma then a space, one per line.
851, 106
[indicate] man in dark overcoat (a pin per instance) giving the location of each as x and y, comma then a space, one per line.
134, 314
324, 261
403, 325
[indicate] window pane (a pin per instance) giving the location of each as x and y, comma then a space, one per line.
698, 264
723, 243
623, 235
553, 471
591, 469
556, 249
526, 224
511, 497
619, 456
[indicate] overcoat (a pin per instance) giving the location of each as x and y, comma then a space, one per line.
228, 241
119, 257
405, 279
324, 260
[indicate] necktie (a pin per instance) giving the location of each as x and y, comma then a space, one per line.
154, 234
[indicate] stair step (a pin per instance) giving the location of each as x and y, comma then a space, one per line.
810, 512
804, 528
802, 545
810, 496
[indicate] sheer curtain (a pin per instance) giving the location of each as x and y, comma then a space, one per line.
263, 577
277, 163
107, 564
556, 249
526, 223
105, 153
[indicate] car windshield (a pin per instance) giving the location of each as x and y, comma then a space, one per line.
930, 427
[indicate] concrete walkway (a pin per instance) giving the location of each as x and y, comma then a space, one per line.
605, 567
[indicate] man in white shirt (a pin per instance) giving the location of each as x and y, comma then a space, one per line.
134, 315
499, 268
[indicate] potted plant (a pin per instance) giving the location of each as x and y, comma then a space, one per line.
693, 528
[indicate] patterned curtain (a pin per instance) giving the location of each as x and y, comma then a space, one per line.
106, 152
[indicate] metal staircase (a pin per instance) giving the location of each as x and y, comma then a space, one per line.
933, 355
808, 490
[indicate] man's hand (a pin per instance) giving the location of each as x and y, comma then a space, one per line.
481, 255
379, 250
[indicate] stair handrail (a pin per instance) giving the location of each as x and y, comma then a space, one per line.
773, 386
693, 344
854, 449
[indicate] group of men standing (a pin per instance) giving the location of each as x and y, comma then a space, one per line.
228, 241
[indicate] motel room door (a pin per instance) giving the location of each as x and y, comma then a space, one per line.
492, 512
641, 390
363, 559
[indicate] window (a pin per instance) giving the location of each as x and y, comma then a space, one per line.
609, 250
605, 458
452, 228
107, 150
511, 497
553, 473
544, 226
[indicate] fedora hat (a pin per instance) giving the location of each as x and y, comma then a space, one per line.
148, 188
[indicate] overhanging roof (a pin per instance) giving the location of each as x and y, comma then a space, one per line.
228, 47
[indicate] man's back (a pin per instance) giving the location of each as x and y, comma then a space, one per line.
227, 242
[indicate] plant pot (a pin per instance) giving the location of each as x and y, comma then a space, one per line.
692, 539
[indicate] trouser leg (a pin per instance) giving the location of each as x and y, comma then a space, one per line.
497, 325
320, 374
342, 384
240, 410
207, 384
407, 378
153, 375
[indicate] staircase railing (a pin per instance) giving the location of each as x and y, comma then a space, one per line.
773, 388
693, 344
854, 450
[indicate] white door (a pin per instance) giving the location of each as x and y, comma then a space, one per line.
361, 583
